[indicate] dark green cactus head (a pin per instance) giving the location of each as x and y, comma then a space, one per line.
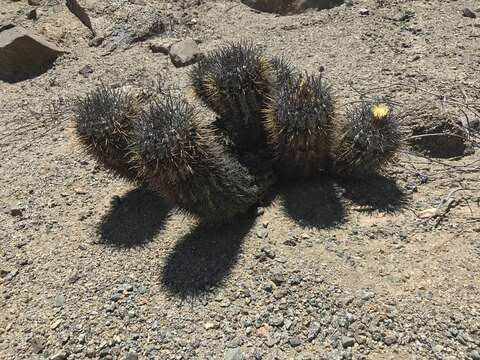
235, 81
298, 121
366, 138
104, 121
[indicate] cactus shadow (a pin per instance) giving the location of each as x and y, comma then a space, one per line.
377, 193
313, 202
133, 219
203, 258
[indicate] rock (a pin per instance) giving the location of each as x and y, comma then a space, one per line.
32, 14
210, 325
61, 355
15, 210
286, 7
475, 355
59, 301
277, 278
347, 341
132, 355
466, 12
96, 41
163, 46
390, 339
86, 71
185, 53
276, 320
34, 2
38, 344
234, 354
294, 341
24, 55
6, 25
313, 330
364, 11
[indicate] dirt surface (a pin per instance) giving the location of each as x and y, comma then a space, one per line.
386, 268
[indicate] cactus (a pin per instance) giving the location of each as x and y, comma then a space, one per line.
365, 139
181, 158
298, 121
103, 120
235, 81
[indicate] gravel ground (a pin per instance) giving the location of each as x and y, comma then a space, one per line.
93, 267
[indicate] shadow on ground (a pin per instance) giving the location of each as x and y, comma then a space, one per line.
134, 219
377, 193
203, 258
313, 203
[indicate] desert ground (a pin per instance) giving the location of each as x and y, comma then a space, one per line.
93, 267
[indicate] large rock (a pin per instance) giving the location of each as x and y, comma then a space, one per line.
285, 7
24, 55
185, 53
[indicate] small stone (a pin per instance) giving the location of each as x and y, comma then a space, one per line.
161, 45
313, 330
32, 14
59, 300
347, 341
277, 278
210, 325
390, 339
96, 41
86, 71
15, 210
466, 12
55, 324
132, 355
475, 355
294, 341
184, 53
61, 355
272, 341
364, 11
234, 354
276, 320
34, 2
37, 344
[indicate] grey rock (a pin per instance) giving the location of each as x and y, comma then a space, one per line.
132, 355
313, 330
15, 209
466, 12
276, 320
277, 278
32, 14
38, 344
390, 339
24, 55
294, 341
286, 7
185, 53
364, 11
59, 301
162, 45
61, 355
86, 71
347, 341
234, 354
273, 340
475, 355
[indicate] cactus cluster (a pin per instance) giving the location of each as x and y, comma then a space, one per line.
271, 120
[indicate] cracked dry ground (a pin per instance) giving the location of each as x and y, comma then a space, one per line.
91, 267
